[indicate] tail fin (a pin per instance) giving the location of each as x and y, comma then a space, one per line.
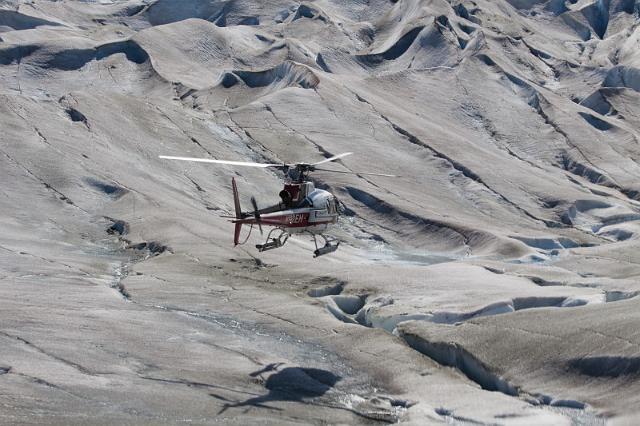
236, 203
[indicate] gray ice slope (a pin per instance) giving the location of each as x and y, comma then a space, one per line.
495, 281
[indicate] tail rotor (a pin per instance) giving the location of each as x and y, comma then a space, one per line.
256, 213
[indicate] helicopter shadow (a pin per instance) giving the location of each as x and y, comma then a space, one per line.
291, 384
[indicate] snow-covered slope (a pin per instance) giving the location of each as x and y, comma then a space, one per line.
504, 257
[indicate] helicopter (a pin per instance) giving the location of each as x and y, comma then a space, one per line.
303, 208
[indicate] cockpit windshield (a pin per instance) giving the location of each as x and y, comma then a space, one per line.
332, 206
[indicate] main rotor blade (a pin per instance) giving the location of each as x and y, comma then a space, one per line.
210, 160
335, 157
358, 173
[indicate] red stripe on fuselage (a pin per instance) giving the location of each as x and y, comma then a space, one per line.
292, 220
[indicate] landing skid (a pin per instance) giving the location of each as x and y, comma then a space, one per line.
274, 242
327, 248
330, 244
